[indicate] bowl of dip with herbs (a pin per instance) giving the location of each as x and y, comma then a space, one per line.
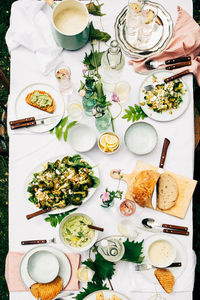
75, 234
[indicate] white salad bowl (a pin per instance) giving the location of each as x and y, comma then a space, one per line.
77, 249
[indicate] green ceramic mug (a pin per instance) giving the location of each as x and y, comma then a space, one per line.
70, 24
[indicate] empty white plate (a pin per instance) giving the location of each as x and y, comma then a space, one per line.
82, 138
141, 138
43, 266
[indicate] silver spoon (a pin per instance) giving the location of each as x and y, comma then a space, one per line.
151, 223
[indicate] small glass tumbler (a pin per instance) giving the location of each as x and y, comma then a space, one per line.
103, 123
122, 89
133, 16
147, 22
63, 74
88, 105
74, 107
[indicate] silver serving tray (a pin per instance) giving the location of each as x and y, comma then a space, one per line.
160, 38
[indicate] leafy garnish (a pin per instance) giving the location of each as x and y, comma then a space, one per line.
96, 34
133, 251
134, 113
70, 125
94, 9
57, 218
60, 127
103, 269
96, 181
91, 288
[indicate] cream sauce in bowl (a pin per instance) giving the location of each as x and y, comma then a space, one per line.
161, 253
71, 20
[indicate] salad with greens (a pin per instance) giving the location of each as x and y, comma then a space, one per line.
165, 96
62, 183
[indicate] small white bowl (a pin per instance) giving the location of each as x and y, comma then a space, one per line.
141, 138
43, 266
101, 148
160, 248
82, 138
77, 249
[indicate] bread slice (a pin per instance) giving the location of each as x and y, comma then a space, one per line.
166, 279
99, 296
143, 187
47, 291
167, 192
49, 108
115, 298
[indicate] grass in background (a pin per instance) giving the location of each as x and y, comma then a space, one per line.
4, 65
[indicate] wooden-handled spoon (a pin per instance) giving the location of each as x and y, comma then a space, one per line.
37, 213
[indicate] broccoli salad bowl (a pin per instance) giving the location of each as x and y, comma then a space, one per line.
75, 234
62, 183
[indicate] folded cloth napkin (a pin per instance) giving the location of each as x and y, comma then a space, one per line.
31, 28
13, 279
185, 41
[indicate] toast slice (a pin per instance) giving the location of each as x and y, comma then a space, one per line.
143, 187
167, 192
47, 291
166, 279
49, 108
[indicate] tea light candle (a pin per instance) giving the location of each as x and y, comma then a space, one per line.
127, 207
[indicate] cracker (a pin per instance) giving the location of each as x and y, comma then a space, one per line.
166, 279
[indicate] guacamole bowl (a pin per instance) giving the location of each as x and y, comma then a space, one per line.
75, 234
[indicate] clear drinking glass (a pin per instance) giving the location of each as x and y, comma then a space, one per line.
133, 16
147, 22
63, 74
122, 89
74, 107
103, 123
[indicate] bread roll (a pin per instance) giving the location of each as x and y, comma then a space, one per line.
143, 187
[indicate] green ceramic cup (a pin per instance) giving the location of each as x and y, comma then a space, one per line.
79, 37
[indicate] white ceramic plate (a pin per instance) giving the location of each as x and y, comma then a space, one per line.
180, 257
24, 110
164, 116
64, 265
82, 138
106, 294
141, 138
40, 167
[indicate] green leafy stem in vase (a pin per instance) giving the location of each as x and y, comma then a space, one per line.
134, 113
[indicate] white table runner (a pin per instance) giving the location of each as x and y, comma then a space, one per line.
28, 150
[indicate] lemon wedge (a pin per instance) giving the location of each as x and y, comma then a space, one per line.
102, 140
82, 274
111, 139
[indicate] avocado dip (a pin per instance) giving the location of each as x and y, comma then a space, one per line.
41, 100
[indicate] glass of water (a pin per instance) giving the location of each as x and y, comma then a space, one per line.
122, 89
147, 22
133, 16
74, 107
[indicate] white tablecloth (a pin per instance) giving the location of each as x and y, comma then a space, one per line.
28, 150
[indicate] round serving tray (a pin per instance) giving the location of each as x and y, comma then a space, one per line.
160, 38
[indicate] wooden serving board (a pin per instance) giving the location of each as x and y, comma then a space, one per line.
186, 187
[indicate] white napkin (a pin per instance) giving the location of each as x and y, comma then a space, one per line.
30, 27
